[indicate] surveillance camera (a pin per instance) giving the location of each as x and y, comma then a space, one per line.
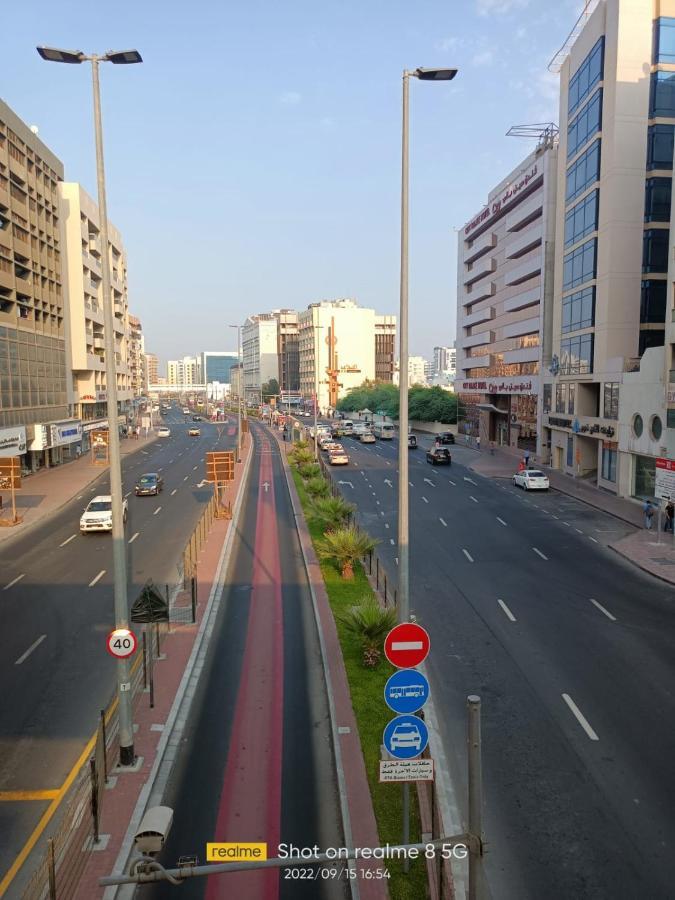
153, 830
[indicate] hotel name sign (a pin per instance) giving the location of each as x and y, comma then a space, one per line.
496, 207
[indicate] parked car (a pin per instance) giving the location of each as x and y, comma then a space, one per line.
194, 432
531, 480
338, 457
149, 484
446, 437
439, 456
412, 442
196, 418
367, 437
98, 514
163, 431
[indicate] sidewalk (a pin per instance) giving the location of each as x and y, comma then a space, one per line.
153, 727
640, 548
48, 490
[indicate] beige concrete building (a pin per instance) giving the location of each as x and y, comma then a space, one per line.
504, 283
185, 371
85, 328
136, 357
151, 370
260, 353
35, 420
385, 347
617, 118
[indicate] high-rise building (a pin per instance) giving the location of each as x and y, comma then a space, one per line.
417, 370
35, 420
445, 361
136, 356
151, 369
185, 371
385, 347
288, 351
215, 365
260, 353
603, 396
504, 284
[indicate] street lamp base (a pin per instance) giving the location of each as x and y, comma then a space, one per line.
127, 756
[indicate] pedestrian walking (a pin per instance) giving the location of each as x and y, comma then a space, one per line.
527, 459
477, 443
670, 517
648, 510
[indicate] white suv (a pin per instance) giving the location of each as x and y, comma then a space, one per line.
98, 514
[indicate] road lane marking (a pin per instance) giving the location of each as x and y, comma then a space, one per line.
555, 517
386, 524
68, 540
157, 510
502, 522
443, 522
186, 478
80, 496
14, 581
467, 554
194, 468
507, 611
581, 719
579, 530
543, 556
33, 646
377, 502
568, 524
174, 491
473, 498
592, 539
392, 541
133, 537
453, 483
128, 493
425, 499
396, 560
16, 796
98, 578
411, 484
602, 609
471, 481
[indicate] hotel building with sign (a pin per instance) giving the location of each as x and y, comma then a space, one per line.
604, 393
504, 282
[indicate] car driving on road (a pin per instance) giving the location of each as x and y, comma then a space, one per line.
194, 432
531, 480
338, 457
163, 431
98, 514
439, 456
367, 437
149, 484
412, 442
446, 437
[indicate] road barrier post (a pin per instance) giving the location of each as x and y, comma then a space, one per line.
51, 868
377, 572
94, 798
145, 661
193, 592
104, 738
475, 794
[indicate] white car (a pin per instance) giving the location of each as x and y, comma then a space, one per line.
367, 437
98, 514
531, 480
338, 458
163, 431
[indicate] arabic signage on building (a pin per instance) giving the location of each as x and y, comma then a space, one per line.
664, 487
12, 441
516, 384
494, 208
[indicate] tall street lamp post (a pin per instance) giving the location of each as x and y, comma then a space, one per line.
239, 390
316, 328
403, 523
124, 57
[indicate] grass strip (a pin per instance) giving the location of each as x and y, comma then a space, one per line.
372, 714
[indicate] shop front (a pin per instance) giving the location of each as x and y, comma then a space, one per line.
53, 443
13, 442
501, 411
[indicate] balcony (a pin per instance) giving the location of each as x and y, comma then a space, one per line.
99, 343
525, 213
527, 354
481, 315
480, 247
526, 242
482, 268
477, 340
525, 326
525, 271
520, 301
476, 362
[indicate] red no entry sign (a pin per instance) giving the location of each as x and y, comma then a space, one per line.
121, 643
406, 645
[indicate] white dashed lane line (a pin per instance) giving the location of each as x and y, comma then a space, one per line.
33, 646
473, 498
186, 478
602, 609
68, 540
425, 499
443, 522
502, 522
467, 554
157, 510
392, 541
539, 553
592, 539
97, 579
133, 537
580, 717
175, 490
453, 483
14, 581
507, 612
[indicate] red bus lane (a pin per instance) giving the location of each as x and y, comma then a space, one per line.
250, 800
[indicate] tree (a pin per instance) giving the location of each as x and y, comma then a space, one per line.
370, 624
270, 389
345, 546
333, 512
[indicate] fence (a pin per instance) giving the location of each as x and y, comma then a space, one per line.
77, 831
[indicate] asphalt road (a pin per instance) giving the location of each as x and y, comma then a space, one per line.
57, 607
257, 763
573, 653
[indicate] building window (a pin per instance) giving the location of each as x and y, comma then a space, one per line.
655, 250
660, 146
584, 172
670, 418
578, 310
638, 425
570, 450
656, 428
609, 457
610, 406
586, 124
653, 296
657, 199
644, 477
548, 390
655, 338
662, 95
561, 398
586, 77
579, 265
576, 355
571, 394
664, 40
582, 219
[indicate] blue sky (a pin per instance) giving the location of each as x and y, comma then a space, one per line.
253, 160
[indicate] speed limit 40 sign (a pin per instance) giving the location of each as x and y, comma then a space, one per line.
121, 643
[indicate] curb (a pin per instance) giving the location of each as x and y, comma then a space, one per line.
126, 892
638, 565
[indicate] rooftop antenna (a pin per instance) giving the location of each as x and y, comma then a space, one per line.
545, 132
556, 63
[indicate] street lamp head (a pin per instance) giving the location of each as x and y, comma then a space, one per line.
123, 57
435, 74
53, 54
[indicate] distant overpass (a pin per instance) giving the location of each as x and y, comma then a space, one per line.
176, 388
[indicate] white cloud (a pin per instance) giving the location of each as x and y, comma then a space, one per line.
290, 98
445, 45
483, 58
548, 85
498, 7
327, 123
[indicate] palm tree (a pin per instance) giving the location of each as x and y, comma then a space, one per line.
317, 487
301, 458
333, 512
300, 445
370, 623
310, 470
344, 546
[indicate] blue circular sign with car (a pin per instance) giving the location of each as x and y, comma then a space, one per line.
405, 737
406, 691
